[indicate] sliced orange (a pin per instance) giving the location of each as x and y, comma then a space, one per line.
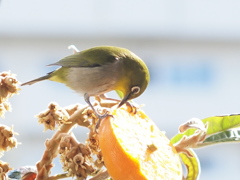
133, 148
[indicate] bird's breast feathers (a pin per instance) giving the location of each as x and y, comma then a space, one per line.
92, 80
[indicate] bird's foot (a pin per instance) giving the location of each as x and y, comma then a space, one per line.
100, 117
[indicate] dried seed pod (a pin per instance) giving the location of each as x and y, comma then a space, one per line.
8, 87
53, 117
7, 141
4, 168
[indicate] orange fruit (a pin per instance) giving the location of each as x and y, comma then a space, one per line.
133, 148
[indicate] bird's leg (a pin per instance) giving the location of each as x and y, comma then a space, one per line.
99, 116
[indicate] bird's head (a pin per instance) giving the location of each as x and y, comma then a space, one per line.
133, 93
134, 80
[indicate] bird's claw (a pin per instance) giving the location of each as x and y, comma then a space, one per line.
100, 117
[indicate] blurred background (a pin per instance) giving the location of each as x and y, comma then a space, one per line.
192, 49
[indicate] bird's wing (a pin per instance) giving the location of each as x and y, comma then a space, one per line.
82, 59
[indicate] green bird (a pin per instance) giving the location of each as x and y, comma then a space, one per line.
98, 70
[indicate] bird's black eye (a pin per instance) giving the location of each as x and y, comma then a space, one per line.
135, 89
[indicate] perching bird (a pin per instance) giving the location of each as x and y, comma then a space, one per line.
98, 70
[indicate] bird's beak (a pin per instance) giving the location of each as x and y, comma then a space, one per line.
124, 100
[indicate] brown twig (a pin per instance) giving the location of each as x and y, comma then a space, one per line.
58, 176
45, 164
101, 176
77, 115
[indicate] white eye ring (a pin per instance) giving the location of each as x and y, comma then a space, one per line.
135, 89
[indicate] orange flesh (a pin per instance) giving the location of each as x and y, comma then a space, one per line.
134, 148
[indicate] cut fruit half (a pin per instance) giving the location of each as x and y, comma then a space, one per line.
133, 148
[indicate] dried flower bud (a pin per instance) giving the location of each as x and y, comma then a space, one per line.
93, 142
70, 154
76, 158
79, 167
85, 150
7, 141
8, 87
4, 107
53, 117
91, 117
4, 168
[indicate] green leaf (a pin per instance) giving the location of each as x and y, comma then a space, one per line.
179, 136
231, 135
216, 125
221, 123
192, 164
220, 129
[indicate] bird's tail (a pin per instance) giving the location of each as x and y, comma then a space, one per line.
37, 80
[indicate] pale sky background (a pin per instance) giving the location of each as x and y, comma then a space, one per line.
153, 18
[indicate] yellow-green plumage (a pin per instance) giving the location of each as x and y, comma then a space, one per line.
98, 70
